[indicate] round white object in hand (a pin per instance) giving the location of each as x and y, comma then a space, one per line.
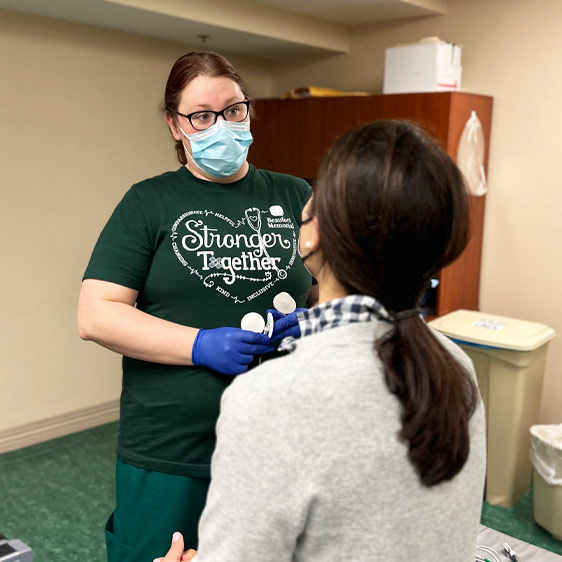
284, 303
253, 322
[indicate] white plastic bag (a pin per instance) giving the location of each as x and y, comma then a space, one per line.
470, 156
546, 452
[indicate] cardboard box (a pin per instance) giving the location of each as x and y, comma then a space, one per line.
430, 65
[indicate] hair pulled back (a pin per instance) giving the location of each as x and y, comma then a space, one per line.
187, 68
392, 210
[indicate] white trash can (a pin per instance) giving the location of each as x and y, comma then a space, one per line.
509, 357
546, 456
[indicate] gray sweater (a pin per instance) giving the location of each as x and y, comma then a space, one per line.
308, 466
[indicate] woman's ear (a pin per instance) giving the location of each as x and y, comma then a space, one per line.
173, 127
313, 236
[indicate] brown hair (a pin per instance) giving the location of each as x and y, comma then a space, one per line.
187, 68
392, 210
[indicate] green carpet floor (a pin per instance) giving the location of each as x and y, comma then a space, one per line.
56, 497
517, 521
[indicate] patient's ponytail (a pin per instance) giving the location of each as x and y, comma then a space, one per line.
437, 399
392, 211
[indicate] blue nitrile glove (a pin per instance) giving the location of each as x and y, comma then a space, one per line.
285, 325
228, 350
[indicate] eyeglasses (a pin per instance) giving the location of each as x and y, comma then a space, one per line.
201, 120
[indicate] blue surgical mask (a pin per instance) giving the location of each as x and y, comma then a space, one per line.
220, 150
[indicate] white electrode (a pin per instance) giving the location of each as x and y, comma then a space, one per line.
284, 303
253, 322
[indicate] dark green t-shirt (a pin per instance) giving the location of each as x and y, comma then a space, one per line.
200, 254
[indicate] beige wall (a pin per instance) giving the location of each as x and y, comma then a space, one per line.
80, 123
511, 53
79, 108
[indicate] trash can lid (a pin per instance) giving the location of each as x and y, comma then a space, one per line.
548, 433
489, 330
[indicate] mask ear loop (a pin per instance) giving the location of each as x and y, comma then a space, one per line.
308, 244
304, 258
187, 153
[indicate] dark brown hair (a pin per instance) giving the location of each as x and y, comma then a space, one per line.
187, 68
392, 210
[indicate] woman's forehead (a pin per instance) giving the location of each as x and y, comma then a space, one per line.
210, 92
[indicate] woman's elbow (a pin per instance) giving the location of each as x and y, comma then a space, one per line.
84, 327
86, 319
100, 304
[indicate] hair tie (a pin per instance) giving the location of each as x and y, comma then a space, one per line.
406, 314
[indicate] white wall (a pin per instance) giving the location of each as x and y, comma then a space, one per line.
511, 52
79, 108
80, 122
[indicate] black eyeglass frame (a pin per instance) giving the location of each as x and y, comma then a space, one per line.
188, 116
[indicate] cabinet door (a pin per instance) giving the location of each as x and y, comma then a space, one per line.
460, 282
292, 136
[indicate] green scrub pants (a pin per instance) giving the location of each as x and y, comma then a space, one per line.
150, 506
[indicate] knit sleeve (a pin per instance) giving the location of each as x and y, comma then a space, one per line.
255, 509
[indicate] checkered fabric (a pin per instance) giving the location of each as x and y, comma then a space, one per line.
337, 312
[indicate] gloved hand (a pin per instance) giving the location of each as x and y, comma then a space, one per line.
228, 350
285, 325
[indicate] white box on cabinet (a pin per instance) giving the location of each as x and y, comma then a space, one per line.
431, 65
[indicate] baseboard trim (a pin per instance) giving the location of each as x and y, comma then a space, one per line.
57, 426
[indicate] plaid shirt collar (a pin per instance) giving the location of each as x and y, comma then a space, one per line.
337, 312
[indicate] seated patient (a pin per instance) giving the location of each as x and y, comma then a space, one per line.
366, 441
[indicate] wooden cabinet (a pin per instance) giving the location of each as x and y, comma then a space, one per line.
291, 136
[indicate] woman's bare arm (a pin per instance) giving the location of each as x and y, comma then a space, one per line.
107, 316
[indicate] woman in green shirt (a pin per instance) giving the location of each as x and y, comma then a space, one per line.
184, 256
